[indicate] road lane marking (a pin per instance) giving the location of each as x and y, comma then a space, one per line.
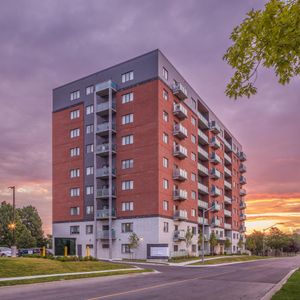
158, 286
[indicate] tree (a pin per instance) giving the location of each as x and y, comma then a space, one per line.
188, 238
277, 240
254, 242
200, 234
133, 241
213, 242
269, 37
227, 244
250, 244
240, 243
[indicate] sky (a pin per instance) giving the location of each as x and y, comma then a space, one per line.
51, 42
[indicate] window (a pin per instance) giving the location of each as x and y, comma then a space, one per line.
194, 230
127, 206
75, 192
90, 148
127, 164
74, 211
165, 205
165, 73
194, 103
89, 229
193, 120
194, 248
125, 248
127, 119
89, 109
127, 76
165, 95
105, 246
127, 98
74, 173
165, 162
193, 213
166, 227
127, 227
89, 90
193, 156
127, 139
74, 152
89, 210
74, 133
193, 176
89, 170
193, 138
165, 184
165, 138
193, 194
75, 95
89, 128
175, 248
90, 190
165, 116
74, 229
127, 185
74, 114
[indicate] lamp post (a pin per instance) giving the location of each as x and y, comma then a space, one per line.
264, 234
12, 226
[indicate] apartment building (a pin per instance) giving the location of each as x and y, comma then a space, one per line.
136, 150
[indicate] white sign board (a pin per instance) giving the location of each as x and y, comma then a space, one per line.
159, 251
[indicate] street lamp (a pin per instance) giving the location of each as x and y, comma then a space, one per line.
264, 234
12, 225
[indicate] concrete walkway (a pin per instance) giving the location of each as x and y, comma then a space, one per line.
67, 274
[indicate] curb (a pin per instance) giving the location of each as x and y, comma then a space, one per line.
278, 286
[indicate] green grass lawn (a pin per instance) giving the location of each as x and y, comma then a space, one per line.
229, 259
291, 290
14, 267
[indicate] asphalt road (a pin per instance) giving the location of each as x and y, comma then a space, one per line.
240, 281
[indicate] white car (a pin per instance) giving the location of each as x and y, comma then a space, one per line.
5, 252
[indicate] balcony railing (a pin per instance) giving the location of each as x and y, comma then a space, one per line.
180, 194
215, 158
215, 192
227, 200
242, 228
105, 172
104, 193
242, 156
243, 205
227, 185
215, 143
215, 222
227, 172
202, 204
228, 227
179, 235
180, 215
202, 170
180, 174
180, 111
200, 220
179, 131
243, 192
102, 88
180, 91
215, 174
103, 149
215, 207
227, 213
180, 152
104, 213
228, 147
243, 168
103, 108
203, 189
215, 127
104, 234
203, 155
242, 217
227, 159
243, 180
203, 138
104, 128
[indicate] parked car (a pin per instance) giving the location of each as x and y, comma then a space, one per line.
29, 251
5, 252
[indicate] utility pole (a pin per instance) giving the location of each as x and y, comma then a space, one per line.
12, 226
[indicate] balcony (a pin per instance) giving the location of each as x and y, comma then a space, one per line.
215, 207
215, 222
104, 128
203, 122
242, 228
203, 189
220, 237
202, 204
200, 220
202, 137
243, 180
215, 143
179, 235
242, 156
215, 174
243, 192
105, 172
103, 193
180, 215
227, 172
243, 205
227, 200
103, 214
180, 152
202, 170
227, 185
215, 192
103, 149
242, 217
180, 174
102, 89
243, 168
228, 147
227, 226
215, 158
215, 127
104, 234
202, 154
227, 159
179, 91
179, 131
180, 195
227, 213
180, 111
103, 109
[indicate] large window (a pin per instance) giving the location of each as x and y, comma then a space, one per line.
127, 76
90, 148
89, 229
74, 211
90, 190
74, 151
127, 140
165, 138
89, 128
165, 73
127, 164
166, 227
127, 206
74, 133
127, 98
165, 162
75, 192
89, 170
125, 248
89, 90
89, 210
127, 119
89, 109
127, 227
165, 116
127, 185
74, 173
74, 114
165, 95
74, 229
165, 205
75, 95
165, 184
